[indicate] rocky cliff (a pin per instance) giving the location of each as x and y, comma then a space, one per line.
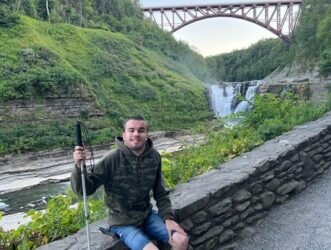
306, 83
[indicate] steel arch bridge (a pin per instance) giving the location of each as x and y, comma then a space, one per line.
280, 17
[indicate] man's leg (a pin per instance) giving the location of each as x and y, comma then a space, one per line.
134, 237
150, 246
155, 227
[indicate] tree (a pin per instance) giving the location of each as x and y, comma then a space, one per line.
324, 39
29, 8
8, 17
47, 8
307, 48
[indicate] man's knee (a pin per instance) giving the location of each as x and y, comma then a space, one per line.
150, 246
180, 241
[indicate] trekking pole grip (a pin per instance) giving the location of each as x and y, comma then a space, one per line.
79, 134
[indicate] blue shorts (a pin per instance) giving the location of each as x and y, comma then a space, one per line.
136, 238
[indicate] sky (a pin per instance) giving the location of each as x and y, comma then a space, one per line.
213, 36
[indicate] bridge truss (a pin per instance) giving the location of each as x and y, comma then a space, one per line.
280, 17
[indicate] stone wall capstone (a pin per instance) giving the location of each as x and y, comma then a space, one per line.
225, 203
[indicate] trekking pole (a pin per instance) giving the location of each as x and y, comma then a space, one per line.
83, 175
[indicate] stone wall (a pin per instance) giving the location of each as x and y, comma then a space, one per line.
225, 203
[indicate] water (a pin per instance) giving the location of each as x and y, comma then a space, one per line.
225, 99
34, 197
15, 204
221, 99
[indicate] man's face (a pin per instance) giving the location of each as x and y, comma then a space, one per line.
135, 134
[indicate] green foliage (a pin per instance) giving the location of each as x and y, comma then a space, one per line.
325, 63
310, 47
27, 7
306, 46
8, 17
37, 74
271, 116
24, 137
59, 220
324, 39
253, 63
117, 76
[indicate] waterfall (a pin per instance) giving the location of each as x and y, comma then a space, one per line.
225, 99
221, 99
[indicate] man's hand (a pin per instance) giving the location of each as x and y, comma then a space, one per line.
79, 155
172, 227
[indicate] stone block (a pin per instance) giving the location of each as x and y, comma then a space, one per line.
212, 232
301, 186
221, 207
231, 221
226, 236
267, 176
200, 229
287, 187
308, 164
267, 199
273, 184
292, 169
283, 166
295, 158
199, 217
247, 233
247, 212
192, 208
210, 244
282, 199
256, 187
242, 207
187, 225
241, 195
256, 217
221, 218
317, 158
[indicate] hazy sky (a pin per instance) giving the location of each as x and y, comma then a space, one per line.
217, 35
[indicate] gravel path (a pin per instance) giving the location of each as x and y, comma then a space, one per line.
302, 223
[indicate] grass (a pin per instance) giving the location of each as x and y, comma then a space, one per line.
120, 77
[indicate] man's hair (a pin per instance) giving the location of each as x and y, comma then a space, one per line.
137, 118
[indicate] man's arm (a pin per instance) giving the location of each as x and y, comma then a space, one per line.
93, 180
176, 232
161, 196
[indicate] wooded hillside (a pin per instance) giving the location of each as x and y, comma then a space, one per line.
119, 65
311, 48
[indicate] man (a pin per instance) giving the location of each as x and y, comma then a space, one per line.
128, 174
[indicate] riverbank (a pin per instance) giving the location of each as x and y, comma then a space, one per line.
23, 171
25, 179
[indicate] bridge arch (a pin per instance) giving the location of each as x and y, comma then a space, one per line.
279, 17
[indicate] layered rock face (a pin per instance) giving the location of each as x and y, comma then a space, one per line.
50, 108
308, 84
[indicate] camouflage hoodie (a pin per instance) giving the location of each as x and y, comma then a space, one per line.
127, 181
